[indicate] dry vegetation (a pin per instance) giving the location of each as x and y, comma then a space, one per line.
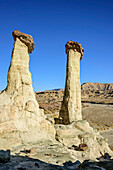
50, 101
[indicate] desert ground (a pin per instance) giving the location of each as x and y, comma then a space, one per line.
97, 106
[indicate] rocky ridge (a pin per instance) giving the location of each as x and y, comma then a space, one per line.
101, 93
96, 86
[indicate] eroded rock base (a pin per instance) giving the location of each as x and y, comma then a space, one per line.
80, 132
54, 156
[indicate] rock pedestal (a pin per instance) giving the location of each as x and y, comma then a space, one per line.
21, 120
71, 105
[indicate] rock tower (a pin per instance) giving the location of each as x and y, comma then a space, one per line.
70, 128
71, 105
21, 120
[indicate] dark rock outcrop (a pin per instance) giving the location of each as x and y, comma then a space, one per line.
75, 46
24, 38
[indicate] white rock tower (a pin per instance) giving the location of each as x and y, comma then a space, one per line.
70, 128
21, 120
71, 105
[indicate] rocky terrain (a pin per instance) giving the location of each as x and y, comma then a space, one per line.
49, 155
98, 93
97, 106
58, 138
96, 86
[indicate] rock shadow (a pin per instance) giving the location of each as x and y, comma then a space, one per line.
24, 163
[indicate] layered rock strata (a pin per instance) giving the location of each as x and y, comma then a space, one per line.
71, 105
21, 120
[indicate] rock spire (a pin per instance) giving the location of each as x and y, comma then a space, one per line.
71, 105
21, 120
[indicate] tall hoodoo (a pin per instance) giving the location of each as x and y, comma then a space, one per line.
71, 105
21, 120
70, 128
19, 76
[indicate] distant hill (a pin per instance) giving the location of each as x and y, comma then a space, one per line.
55, 90
87, 87
96, 86
50, 91
101, 93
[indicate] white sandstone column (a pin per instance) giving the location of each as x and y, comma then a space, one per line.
71, 105
19, 76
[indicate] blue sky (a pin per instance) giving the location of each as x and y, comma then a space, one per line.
52, 23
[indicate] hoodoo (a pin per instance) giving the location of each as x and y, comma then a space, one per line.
21, 120
71, 105
70, 128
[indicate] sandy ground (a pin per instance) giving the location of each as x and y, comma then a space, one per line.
100, 116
